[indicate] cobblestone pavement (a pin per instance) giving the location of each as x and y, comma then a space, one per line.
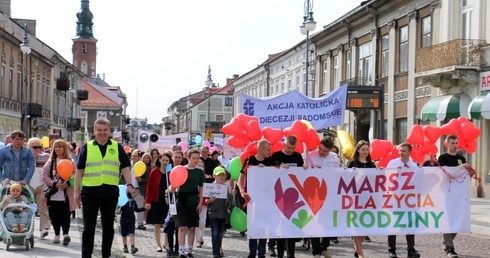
234, 245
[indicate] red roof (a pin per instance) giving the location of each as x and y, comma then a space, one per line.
99, 96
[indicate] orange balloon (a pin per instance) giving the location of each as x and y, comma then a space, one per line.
64, 169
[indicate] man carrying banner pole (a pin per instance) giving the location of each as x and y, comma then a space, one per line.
322, 158
261, 159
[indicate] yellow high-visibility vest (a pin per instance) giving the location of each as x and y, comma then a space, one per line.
100, 170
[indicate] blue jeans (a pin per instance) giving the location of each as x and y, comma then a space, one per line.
15, 220
217, 229
252, 247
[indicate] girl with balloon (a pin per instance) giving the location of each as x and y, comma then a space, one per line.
56, 173
155, 197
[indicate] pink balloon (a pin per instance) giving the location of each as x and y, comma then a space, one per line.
178, 176
214, 148
183, 146
206, 144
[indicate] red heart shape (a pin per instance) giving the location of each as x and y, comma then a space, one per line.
312, 191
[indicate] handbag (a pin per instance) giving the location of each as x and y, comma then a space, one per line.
48, 191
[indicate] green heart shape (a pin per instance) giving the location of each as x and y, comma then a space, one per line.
303, 219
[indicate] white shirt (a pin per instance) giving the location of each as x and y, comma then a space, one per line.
395, 163
330, 161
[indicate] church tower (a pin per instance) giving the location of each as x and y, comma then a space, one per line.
84, 47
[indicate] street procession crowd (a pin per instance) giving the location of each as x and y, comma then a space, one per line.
155, 191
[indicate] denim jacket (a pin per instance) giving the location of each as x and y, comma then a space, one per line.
7, 163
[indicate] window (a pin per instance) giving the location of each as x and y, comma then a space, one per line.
297, 82
277, 89
2, 83
228, 101
365, 59
335, 71
348, 68
282, 87
202, 121
219, 118
384, 55
426, 30
11, 83
290, 85
401, 130
272, 91
323, 87
101, 114
404, 49
466, 18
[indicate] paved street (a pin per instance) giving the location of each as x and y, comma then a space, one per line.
467, 245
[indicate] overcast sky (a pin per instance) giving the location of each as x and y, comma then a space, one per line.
158, 51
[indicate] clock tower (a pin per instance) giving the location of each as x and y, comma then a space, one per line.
84, 47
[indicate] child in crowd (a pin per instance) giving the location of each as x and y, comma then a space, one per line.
217, 212
128, 220
189, 201
16, 217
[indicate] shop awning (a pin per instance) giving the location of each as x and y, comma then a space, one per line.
480, 106
446, 107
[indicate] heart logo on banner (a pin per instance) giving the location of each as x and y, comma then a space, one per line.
312, 191
287, 201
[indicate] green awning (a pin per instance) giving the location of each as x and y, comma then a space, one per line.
480, 106
446, 107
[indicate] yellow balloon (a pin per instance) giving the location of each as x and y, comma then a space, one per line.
307, 123
45, 141
347, 144
139, 168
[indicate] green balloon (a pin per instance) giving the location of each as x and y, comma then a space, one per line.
238, 219
235, 167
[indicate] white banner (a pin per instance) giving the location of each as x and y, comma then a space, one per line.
317, 202
281, 111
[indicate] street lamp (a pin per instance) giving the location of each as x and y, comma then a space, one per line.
26, 50
209, 83
309, 24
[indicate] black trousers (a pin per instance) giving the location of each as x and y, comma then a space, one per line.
91, 206
318, 246
60, 215
392, 242
281, 244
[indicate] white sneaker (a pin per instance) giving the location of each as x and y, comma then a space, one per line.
326, 254
44, 233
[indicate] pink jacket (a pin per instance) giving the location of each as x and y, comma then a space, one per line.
49, 182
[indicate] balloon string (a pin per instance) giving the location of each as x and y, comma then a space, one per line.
471, 173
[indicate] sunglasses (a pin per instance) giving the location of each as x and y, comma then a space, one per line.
37, 147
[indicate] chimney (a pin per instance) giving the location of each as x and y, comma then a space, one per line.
234, 77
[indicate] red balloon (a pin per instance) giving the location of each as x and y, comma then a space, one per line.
452, 127
178, 176
234, 127
245, 155
245, 119
463, 120
432, 133
470, 146
395, 151
470, 131
433, 150
417, 154
383, 162
380, 148
272, 135
312, 139
252, 148
277, 146
65, 169
253, 130
299, 147
416, 135
238, 142
298, 129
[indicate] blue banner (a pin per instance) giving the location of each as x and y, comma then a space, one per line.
282, 110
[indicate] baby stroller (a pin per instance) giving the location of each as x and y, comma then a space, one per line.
6, 234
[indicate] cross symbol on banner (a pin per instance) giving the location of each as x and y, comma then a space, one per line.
248, 107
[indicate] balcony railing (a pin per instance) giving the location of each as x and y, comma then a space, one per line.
357, 81
458, 52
